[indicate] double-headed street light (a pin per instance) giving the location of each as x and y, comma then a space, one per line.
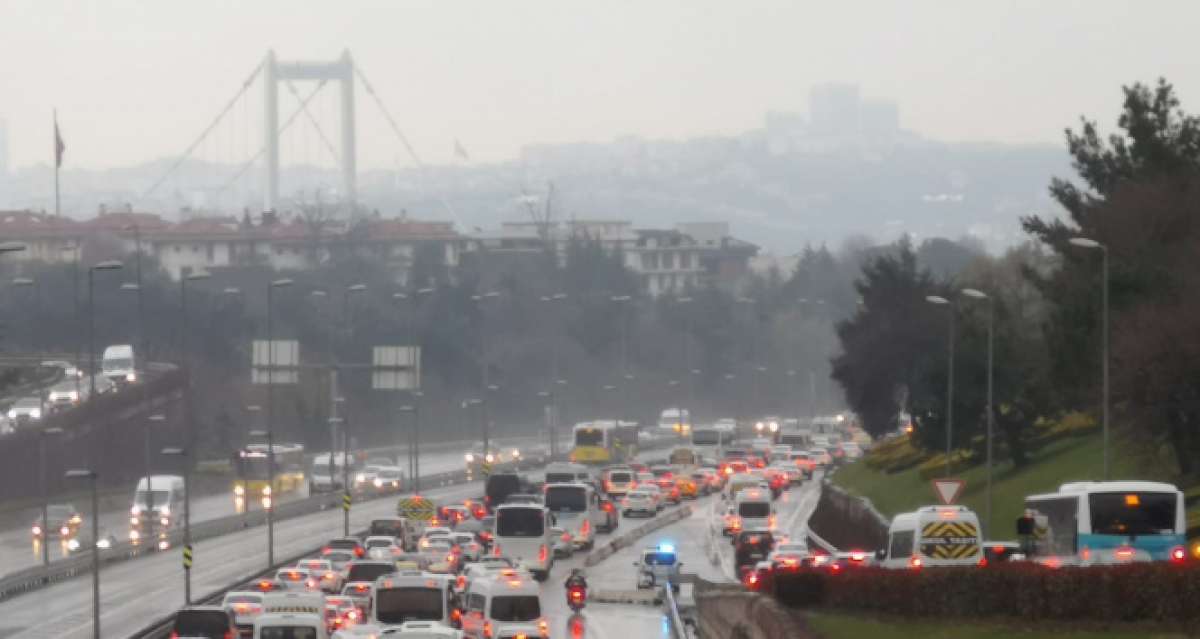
270, 488
941, 301
181, 453
977, 294
1085, 243
108, 265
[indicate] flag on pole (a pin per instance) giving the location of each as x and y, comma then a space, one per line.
59, 147
460, 152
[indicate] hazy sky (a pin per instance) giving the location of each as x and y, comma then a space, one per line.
134, 80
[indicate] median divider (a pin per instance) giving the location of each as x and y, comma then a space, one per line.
625, 540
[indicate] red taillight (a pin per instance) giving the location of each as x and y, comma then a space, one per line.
228, 634
982, 563
542, 553
1124, 553
456, 615
586, 527
1178, 554
326, 550
915, 563
608, 506
496, 550
835, 567
487, 629
1085, 554
174, 635
358, 551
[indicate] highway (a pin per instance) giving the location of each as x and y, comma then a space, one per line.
18, 551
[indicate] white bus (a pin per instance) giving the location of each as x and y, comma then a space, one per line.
1110, 522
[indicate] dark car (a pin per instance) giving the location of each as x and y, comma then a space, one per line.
499, 487
360, 570
64, 521
208, 622
751, 547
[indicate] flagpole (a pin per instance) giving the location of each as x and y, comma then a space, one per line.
57, 162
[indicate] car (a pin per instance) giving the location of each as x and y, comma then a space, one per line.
564, 543
432, 533
66, 394
789, 470
805, 461
454, 514
387, 480
26, 410
751, 547
245, 605
471, 548
486, 567
755, 577
62, 521
998, 552
351, 544
364, 479
441, 555
327, 577
639, 501
382, 547
506, 605
367, 570
339, 558
524, 498
787, 556
295, 578
612, 520
850, 560
656, 492
657, 565
207, 622
822, 458
360, 592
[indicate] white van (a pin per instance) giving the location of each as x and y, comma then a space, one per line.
319, 478
933, 536
160, 497
753, 508
291, 614
576, 509
412, 595
522, 533
505, 605
118, 364
561, 473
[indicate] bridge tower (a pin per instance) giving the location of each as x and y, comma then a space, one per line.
340, 70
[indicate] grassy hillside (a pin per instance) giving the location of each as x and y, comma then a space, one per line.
1073, 458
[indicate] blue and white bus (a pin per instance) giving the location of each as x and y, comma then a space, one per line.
1111, 522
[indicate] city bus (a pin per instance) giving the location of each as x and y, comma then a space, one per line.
603, 442
1110, 522
251, 474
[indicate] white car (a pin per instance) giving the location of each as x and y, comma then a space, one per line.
246, 605
322, 571
26, 409
660, 501
471, 548
639, 501
295, 578
382, 547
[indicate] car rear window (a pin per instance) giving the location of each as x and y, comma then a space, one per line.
201, 623
369, 572
754, 509
288, 632
621, 477
516, 608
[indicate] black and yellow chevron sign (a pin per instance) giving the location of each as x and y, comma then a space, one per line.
187, 557
950, 540
346, 500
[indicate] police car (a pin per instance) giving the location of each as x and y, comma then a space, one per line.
658, 564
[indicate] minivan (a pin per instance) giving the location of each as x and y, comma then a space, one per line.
523, 535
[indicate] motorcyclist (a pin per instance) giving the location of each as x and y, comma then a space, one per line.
576, 578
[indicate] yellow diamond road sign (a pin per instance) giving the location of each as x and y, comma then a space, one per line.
417, 508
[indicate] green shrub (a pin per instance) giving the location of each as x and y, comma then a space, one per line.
935, 466
1073, 424
894, 455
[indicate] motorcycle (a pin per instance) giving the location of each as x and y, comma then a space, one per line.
576, 597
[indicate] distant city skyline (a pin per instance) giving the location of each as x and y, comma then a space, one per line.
134, 82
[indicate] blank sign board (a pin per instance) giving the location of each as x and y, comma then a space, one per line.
277, 364
396, 368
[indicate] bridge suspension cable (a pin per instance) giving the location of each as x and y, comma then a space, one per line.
313, 120
412, 153
204, 135
284, 127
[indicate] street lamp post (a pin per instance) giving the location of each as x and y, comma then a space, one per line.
74, 250
42, 435
980, 295
270, 489
189, 407
622, 301
92, 478
1083, 242
254, 411
109, 265
939, 300
552, 397
415, 443
484, 386
187, 519
685, 377
157, 418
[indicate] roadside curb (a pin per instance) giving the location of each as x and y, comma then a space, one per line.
625, 540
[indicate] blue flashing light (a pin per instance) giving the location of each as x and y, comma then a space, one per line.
667, 548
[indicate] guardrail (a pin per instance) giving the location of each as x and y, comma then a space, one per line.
678, 629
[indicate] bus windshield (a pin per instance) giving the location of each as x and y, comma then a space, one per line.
706, 437
589, 437
1133, 513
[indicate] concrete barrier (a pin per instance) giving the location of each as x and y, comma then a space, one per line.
728, 610
625, 540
